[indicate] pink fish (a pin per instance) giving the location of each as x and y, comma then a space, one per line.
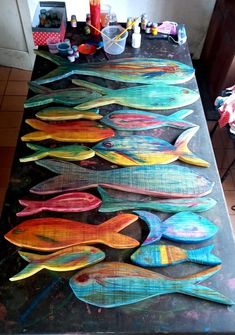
68, 202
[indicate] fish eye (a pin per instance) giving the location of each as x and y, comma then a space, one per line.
82, 278
108, 144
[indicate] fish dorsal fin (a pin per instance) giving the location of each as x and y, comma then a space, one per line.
91, 86
58, 166
118, 222
53, 58
32, 257
154, 224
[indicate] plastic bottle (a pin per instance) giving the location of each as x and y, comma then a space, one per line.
73, 21
182, 37
136, 38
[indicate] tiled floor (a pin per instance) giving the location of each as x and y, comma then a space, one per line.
13, 91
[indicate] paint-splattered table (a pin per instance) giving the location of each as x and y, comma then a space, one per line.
45, 303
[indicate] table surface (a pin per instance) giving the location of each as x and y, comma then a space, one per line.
44, 303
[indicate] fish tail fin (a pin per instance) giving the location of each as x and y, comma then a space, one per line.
31, 207
53, 58
203, 256
181, 114
183, 151
91, 86
154, 224
36, 136
119, 241
200, 276
41, 152
206, 293
28, 271
38, 124
118, 223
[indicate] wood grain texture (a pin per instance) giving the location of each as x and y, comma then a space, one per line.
113, 284
70, 131
66, 113
49, 234
67, 259
128, 119
112, 203
184, 227
148, 150
166, 181
163, 255
66, 203
134, 70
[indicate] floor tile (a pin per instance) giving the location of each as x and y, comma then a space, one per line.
232, 219
229, 183
13, 103
10, 120
216, 139
9, 136
4, 72
4, 176
17, 74
230, 199
3, 85
16, 88
2, 197
224, 157
6, 156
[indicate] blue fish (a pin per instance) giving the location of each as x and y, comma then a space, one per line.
184, 227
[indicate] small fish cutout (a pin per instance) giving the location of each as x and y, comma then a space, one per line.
70, 131
128, 119
114, 204
65, 203
73, 152
148, 150
114, 284
63, 114
49, 234
162, 255
68, 259
184, 227
164, 181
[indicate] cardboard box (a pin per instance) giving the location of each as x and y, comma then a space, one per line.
41, 34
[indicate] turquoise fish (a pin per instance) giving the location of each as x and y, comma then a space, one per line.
184, 227
163, 255
113, 284
67, 259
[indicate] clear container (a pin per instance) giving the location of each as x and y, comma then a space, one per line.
52, 44
111, 46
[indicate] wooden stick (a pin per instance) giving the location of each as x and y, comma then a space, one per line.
110, 39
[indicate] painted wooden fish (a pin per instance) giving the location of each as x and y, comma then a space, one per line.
163, 255
149, 97
165, 181
70, 131
68, 259
113, 284
68, 202
66, 113
114, 204
49, 234
134, 70
148, 150
68, 96
73, 152
184, 227
132, 119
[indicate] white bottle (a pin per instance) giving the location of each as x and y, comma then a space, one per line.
136, 38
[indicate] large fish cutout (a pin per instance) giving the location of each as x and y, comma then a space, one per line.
49, 234
66, 96
186, 227
68, 259
148, 150
70, 131
66, 113
113, 284
112, 203
166, 181
163, 255
147, 97
68, 202
133, 119
133, 70
73, 152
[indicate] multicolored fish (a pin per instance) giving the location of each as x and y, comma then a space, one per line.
66, 96
113, 284
133, 70
114, 204
133, 119
184, 227
73, 152
68, 202
65, 113
163, 255
49, 234
165, 181
147, 97
67, 259
70, 131
148, 150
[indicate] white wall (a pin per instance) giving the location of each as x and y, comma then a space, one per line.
194, 13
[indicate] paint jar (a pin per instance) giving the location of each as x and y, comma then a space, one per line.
148, 27
63, 48
154, 29
136, 38
129, 23
73, 21
105, 15
144, 21
52, 44
71, 56
111, 46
